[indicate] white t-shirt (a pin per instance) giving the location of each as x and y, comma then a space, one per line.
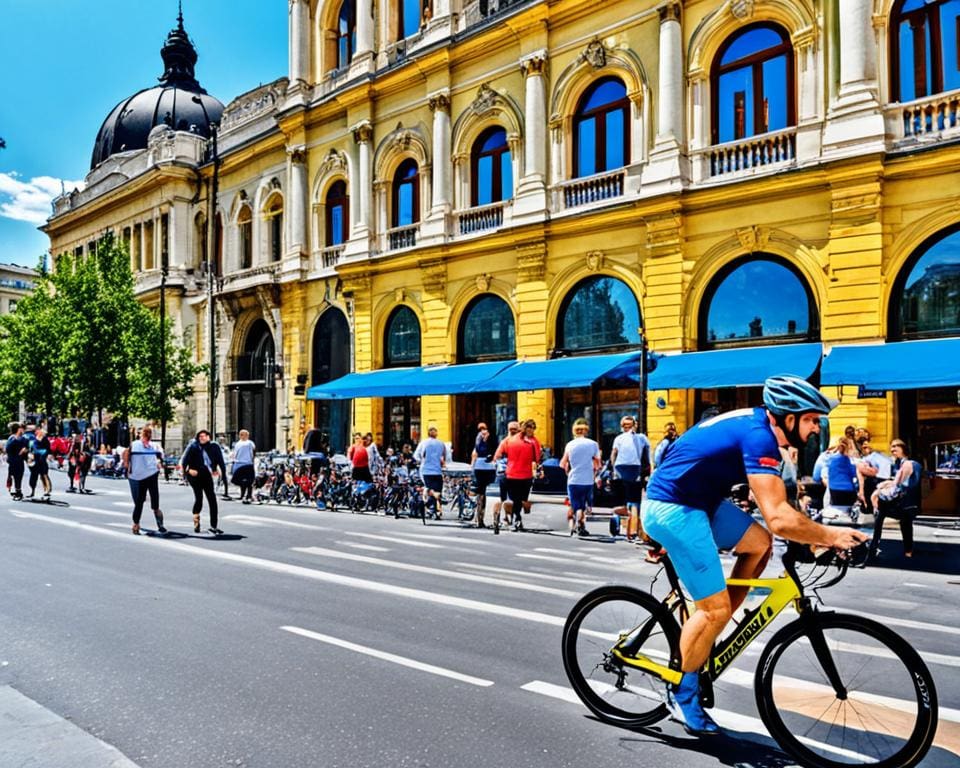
581, 452
882, 463
243, 451
630, 447
143, 460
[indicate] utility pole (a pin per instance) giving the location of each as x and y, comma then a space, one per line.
642, 410
164, 268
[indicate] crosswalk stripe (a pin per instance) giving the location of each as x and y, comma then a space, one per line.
364, 547
587, 556
577, 563
908, 623
434, 537
264, 521
584, 580
96, 511
394, 540
475, 578
391, 657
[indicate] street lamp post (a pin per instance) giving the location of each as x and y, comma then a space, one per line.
164, 268
213, 248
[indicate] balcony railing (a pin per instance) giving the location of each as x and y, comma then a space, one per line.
330, 257
479, 10
480, 218
592, 189
757, 152
402, 237
930, 116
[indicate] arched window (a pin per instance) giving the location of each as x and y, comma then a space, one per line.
346, 33
338, 217
757, 299
402, 341
924, 48
331, 360
487, 330
406, 194
245, 227
599, 312
273, 215
601, 128
411, 17
492, 169
200, 239
752, 84
254, 404
926, 295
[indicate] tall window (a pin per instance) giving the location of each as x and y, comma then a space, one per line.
487, 330
346, 33
926, 296
245, 227
599, 312
337, 214
601, 128
411, 17
740, 306
492, 168
925, 48
406, 194
753, 89
402, 345
274, 218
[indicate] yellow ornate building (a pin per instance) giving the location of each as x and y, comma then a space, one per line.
758, 185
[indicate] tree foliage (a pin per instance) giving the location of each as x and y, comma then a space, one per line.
81, 342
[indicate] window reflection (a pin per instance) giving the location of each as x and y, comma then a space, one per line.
487, 330
926, 56
492, 168
599, 312
601, 129
929, 302
403, 338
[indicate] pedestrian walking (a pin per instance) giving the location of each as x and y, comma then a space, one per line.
899, 498
244, 451
523, 453
500, 462
484, 471
201, 462
359, 460
142, 461
670, 436
581, 461
16, 449
630, 458
79, 459
37, 463
431, 454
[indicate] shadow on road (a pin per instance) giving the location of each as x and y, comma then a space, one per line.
928, 557
170, 535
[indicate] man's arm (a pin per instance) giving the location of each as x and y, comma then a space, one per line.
500, 450
565, 462
788, 523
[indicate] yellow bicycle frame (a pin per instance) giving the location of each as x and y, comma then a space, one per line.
783, 592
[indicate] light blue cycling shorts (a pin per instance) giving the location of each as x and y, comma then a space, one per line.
692, 539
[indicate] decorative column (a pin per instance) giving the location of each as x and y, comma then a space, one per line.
532, 298
364, 28
531, 197
297, 187
442, 187
299, 25
361, 190
670, 91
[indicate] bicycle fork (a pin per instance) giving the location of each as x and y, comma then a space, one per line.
814, 633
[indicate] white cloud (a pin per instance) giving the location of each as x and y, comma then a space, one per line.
30, 200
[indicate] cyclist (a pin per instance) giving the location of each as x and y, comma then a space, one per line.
687, 511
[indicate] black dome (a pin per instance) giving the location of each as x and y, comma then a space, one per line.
178, 102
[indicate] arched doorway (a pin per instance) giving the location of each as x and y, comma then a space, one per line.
401, 348
254, 396
331, 360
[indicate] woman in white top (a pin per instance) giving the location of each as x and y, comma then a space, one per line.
142, 464
631, 464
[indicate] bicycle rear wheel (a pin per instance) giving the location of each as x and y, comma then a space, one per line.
612, 691
887, 715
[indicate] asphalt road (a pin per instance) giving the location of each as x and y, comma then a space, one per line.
254, 649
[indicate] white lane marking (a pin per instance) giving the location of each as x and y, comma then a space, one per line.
883, 653
588, 556
96, 511
393, 658
730, 720
552, 577
914, 585
365, 547
393, 540
908, 623
434, 537
121, 503
568, 553
326, 577
900, 604
472, 577
265, 521
578, 563
743, 679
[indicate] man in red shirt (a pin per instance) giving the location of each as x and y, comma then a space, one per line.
523, 458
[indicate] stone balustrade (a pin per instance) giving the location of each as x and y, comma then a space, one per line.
402, 237
929, 118
590, 189
480, 218
748, 156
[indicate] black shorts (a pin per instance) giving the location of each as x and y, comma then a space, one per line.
243, 475
518, 491
362, 473
483, 478
433, 483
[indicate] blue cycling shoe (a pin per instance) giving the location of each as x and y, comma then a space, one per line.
683, 701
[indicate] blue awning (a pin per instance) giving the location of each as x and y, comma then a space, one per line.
412, 382
897, 365
567, 372
740, 367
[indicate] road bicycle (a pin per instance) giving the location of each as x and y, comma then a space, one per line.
833, 689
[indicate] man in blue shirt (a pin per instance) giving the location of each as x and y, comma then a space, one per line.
687, 510
432, 456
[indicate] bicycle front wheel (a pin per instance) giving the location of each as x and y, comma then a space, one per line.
885, 714
613, 691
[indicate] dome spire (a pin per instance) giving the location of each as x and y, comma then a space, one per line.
179, 56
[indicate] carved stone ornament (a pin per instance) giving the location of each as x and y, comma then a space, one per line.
274, 183
483, 283
440, 101
297, 154
595, 261
433, 275
595, 55
753, 238
399, 295
534, 64
363, 133
401, 141
333, 162
243, 194
531, 262
741, 9
486, 100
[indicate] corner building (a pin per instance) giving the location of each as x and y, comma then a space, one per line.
756, 186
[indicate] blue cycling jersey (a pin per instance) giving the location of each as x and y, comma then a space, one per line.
707, 461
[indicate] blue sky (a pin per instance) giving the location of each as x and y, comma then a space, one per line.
67, 63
